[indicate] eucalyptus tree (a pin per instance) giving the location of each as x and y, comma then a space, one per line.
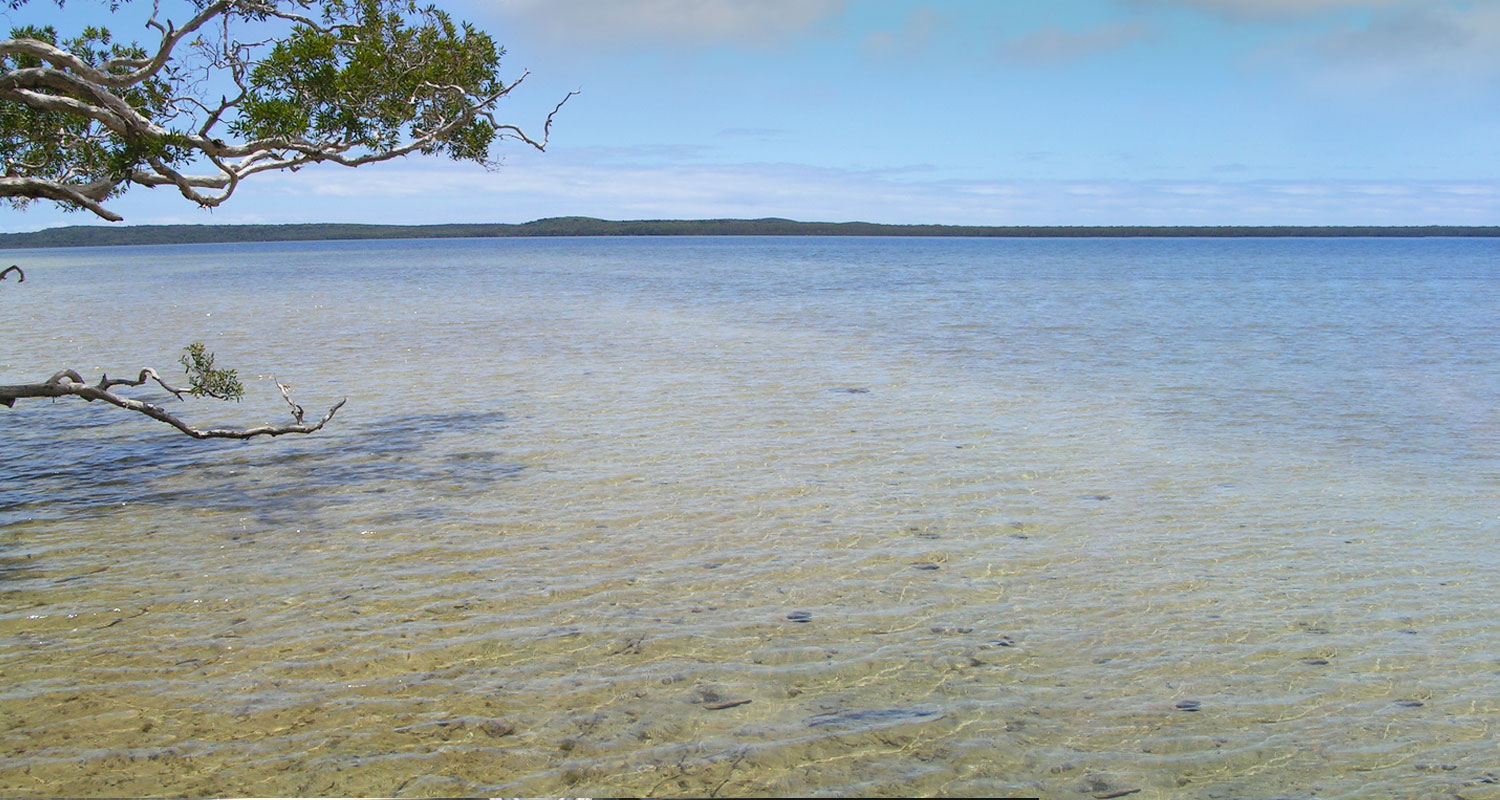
226, 90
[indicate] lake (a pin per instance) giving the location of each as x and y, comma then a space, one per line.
761, 516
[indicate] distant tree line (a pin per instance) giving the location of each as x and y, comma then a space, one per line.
96, 235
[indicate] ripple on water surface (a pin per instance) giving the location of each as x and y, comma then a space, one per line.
776, 518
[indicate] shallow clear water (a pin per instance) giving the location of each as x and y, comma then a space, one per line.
1202, 518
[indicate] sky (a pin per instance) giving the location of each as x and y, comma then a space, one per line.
1005, 112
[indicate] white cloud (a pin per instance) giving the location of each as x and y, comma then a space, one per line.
989, 189
1414, 47
626, 22
1435, 48
1298, 189
1470, 189
1379, 189
1055, 45
1194, 189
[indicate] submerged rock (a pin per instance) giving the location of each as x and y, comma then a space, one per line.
497, 728
871, 715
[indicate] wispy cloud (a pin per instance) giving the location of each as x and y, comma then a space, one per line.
568, 183
1195, 189
915, 35
1366, 47
614, 185
1055, 45
1470, 189
1414, 47
693, 22
1297, 189
1271, 9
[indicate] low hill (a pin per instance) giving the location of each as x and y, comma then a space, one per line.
102, 235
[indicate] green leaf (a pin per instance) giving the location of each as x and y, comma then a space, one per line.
205, 379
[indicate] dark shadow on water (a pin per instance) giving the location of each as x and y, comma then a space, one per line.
71, 462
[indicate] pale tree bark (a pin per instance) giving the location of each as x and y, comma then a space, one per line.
69, 383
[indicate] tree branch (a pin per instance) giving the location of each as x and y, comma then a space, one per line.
65, 60
372, 81
69, 383
53, 190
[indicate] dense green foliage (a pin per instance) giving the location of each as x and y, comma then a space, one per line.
375, 81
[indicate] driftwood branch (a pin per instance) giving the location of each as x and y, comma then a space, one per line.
70, 383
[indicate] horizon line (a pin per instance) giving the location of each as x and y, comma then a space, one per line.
210, 233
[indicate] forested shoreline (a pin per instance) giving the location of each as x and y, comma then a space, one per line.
114, 236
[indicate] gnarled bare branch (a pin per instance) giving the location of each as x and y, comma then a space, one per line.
68, 383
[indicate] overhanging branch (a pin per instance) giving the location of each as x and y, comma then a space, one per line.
54, 190
138, 116
69, 383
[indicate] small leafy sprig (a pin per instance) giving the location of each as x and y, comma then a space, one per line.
204, 379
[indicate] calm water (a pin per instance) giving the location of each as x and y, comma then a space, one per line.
729, 517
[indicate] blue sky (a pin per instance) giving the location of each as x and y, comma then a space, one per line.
1009, 112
